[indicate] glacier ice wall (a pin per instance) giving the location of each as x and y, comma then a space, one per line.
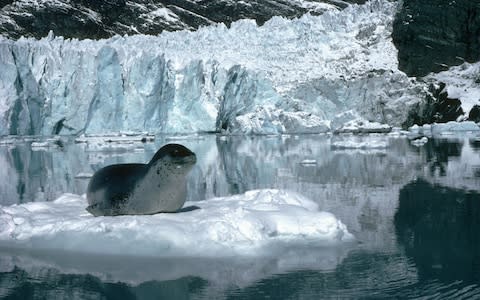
286, 76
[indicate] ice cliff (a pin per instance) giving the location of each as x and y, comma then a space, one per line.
283, 77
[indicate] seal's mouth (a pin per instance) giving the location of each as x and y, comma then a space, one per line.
186, 160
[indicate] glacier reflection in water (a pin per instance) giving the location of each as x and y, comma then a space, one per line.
414, 210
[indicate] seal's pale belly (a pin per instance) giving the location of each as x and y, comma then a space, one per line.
156, 194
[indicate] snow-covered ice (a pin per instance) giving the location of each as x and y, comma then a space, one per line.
245, 225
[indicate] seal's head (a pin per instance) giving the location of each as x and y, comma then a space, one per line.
175, 154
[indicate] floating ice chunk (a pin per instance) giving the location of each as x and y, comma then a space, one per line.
122, 138
440, 128
418, 131
308, 162
83, 175
185, 137
355, 143
40, 144
448, 128
46, 144
238, 225
419, 142
115, 142
364, 126
398, 132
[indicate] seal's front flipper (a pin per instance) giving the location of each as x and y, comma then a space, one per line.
99, 210
188, 208
95, 210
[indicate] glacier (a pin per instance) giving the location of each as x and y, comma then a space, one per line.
287, 76
247, 225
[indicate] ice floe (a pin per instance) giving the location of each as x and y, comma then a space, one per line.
246, 225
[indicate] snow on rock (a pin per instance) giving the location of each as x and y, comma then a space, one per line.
238, 225
463, 83
287, 76
102, 19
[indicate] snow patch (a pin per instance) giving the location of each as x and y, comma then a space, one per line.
164, 13
463, 83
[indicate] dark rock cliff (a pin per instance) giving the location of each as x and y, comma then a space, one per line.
432, 35
96, 19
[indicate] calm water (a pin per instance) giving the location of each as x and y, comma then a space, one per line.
414, 210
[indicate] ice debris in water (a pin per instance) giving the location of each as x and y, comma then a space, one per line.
242, 224
354, 142
419, 142
438, 129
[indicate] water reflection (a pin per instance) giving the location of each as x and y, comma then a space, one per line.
439, 228
231, 165
418, 237
19, 284
439, 152
40, 274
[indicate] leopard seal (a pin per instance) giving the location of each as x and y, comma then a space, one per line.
142, 189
